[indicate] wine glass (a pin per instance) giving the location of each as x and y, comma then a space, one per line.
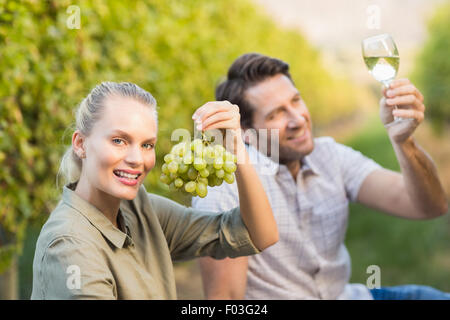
382, 59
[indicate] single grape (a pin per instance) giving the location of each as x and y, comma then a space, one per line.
218, 163
173, 176
177, 159
172, 167
182, 168
229, 178
227, 156
190, 186
164, 178
192, 173
219, 151
164, 168
188, 158
174, 149
195, 143
220, 173
178, 182
212, 180
219, 181
199, 164
198, 150
185, 177
203, 180
182, 148
169, 158
229, 166
210, 169
204, 173
209, 154
201, 189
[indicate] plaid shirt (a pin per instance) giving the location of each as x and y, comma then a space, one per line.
310, 260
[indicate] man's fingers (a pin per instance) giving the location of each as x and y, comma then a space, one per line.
404, 90
406, 100
409, 114
398, 83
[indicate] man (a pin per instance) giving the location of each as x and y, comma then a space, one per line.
310, 189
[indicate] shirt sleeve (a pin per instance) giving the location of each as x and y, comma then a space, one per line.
74, 269
222, 198
354, 167
192, 233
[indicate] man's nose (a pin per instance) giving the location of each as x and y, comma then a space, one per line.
296, 119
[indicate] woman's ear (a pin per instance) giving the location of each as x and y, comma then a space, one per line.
78, 144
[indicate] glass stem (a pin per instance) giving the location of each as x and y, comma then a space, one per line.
386, 85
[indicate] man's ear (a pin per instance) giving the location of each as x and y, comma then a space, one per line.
78, 144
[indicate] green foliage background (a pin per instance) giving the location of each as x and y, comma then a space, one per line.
177, 50
432, 72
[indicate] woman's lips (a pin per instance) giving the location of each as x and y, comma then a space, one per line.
127, 181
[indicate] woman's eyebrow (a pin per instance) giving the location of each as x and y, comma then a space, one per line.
128, 137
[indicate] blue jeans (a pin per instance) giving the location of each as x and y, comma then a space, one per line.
409, 292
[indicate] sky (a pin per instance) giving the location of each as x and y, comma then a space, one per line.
337, 27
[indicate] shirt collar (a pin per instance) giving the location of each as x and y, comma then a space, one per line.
308, 166
96, 217
267, 166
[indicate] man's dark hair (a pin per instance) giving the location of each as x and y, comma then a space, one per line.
246, 71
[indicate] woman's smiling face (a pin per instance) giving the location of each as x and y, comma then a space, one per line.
120, 151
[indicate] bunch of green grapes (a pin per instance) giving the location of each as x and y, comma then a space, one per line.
192, 166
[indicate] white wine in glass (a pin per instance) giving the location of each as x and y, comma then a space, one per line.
382, 59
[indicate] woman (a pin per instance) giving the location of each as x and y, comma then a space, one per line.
110, 239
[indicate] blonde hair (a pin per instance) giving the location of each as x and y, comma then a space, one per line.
88, 113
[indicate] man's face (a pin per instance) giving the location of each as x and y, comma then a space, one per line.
278, 105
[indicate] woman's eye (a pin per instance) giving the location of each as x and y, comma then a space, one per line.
148, 145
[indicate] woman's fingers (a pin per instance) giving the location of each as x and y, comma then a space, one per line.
217, 112
210, 108
228, 124
216, 117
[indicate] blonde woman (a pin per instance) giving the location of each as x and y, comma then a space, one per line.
108, 238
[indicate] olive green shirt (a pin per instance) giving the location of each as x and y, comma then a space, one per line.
80, 254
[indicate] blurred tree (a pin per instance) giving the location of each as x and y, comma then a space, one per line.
432, 71
177, 50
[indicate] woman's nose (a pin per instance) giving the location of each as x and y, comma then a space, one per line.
134, 156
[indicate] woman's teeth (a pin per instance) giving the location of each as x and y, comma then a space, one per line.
126, 175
